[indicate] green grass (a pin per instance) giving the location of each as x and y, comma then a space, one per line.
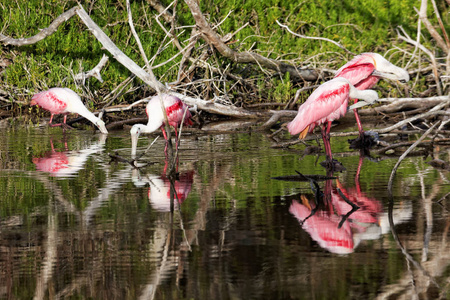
360, 26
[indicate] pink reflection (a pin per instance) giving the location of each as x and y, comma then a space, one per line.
53, 163
334, 226
159, 190
369, 208
323, 228
67, 163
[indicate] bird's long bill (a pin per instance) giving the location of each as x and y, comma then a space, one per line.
402, 75
358, 104
134, 141
102, 128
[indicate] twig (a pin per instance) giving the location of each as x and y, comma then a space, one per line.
315, 38
394, 170
148, 77
433, 111
95, 72
244, 57
136, 37
405, 37
44, 32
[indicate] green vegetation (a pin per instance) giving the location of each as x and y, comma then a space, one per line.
360, 26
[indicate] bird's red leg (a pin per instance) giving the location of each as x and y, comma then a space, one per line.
165, 137
326, 140
50, 123
358, 122
164, 132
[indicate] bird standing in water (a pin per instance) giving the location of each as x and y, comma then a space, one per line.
364, 71
65, 101
327, 103
175, 109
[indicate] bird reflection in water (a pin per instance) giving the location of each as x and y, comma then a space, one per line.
339, 217
67, 163
164, 189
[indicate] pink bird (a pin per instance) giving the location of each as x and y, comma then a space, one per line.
65, 101
364, 71
175, 109
326, 104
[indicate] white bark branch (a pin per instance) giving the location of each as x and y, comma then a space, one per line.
95, 72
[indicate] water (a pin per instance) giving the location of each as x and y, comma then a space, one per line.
75, 224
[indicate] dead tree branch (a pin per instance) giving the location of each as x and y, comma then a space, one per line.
314, 38
95, 72
44, 32
245, 57
147, 77
422, 13
405, 37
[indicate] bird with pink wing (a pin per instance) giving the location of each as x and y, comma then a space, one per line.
327, 103
65, 101
364, 71
176, 112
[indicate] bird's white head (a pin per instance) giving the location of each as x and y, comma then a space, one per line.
101, 126
383, 68
135, 132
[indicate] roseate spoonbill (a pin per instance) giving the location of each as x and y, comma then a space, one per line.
364, 71
65, 101
326, 104
175, 109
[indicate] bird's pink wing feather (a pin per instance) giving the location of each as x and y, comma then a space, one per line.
327, 103
174, 109
357, 73
49, 101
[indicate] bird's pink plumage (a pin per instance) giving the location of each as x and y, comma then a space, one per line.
327, 103
359, 71
49, 101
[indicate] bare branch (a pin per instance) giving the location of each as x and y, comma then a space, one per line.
136, 37
245, 57
148, 77
44, 32
405, 37
95, 72
437, 37
314, 38
394, 170
161, 10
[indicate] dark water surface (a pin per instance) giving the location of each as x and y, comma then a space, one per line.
73, 224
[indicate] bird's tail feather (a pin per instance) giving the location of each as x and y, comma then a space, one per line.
303, 134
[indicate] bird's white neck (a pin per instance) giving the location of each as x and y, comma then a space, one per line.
88, 115
151, 126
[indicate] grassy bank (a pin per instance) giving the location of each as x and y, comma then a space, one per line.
359, 26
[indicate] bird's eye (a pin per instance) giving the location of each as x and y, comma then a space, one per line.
402, 81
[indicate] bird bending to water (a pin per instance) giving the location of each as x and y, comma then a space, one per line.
175, 109
327, 103
65, 101
365, 70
